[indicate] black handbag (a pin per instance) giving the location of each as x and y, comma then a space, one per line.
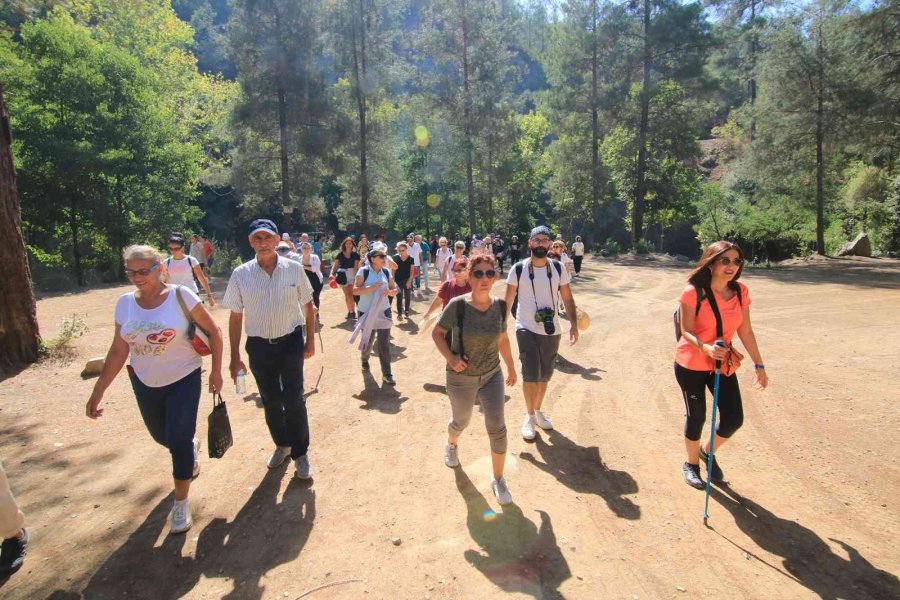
219, 438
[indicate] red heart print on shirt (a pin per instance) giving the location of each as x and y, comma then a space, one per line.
161, 337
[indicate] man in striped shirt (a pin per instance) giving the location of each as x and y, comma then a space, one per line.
276, 297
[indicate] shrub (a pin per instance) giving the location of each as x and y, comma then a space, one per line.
60, 347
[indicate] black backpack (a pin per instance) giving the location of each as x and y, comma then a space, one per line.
460, 314
519, 267
702, 294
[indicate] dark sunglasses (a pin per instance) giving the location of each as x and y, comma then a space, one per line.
175, 248
478, 274
141, 272
727, 261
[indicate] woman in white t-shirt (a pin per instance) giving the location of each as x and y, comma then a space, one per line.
441, 256
312, 265
578, 253
185, 270
458, 251
152, 328
560, 248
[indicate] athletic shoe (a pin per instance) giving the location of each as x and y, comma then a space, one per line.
365, 365
389, 380
406, 316
302, 468
181, 517
716, 474
451, 456
528, 428
501, 491
196, 473
542, 421
692, 476
12, 555
279, 456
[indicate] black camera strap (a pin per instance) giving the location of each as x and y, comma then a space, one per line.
549, 279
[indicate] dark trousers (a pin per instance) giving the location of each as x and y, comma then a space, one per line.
693, 388
316, 286
404, 297
278, 371
170, 414
577, 260
383, 348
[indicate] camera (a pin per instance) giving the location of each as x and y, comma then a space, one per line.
545, 316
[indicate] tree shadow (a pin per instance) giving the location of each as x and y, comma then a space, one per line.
807, 558
266, 533
565, 365
10, 371
582, 470
515, 554
383, 398
435, 388
863, 273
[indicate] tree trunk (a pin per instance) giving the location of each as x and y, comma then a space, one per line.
751, 84
282, 124
595, 130
467, 117
490, 195
820, 141
637, 213
73, 230
359, 73
19, 334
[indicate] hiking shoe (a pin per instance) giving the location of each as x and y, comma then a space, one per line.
302, 468
350, 316
365, 365
12, 555
692, 476
389, 380
278, 457
501, 491
196, 473
542, 421
451, 456
181, 517
716, 473
528, 428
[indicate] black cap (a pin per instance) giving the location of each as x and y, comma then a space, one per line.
263, 225
540, 230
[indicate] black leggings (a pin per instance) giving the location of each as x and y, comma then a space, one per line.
731, 411
316, 286
403, 297
577, 260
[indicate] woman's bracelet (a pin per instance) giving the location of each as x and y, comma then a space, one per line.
759, 367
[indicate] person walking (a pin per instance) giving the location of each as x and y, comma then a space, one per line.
559, 247
477, 322
210, 252
450, 289
539, 283
343, 272
374, 284
12, 530
712, 287
198, 251
363, 247
425, 257
459, 249
275, 295
151, 327
403, 279
441, 256
577, 254
499, 249
185, 270
312, 266
415, 251
515, 250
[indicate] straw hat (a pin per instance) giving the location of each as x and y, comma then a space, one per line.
583, 320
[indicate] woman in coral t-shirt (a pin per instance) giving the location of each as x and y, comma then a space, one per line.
718, 271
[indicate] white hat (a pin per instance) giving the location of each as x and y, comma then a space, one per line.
285, 236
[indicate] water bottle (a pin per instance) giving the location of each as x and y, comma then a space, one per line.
240, 387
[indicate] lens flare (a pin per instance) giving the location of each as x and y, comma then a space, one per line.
423, 138
433, 200
489, 515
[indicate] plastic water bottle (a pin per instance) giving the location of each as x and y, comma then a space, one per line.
240, 387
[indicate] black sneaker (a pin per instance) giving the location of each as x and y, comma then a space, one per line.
12, 555
716, 474
692, 476
365, 365
389, 380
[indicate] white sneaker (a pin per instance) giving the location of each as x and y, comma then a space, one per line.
302, 468
542, 421
528, 428
501, 491
278, 457
451, 456
196, 473
181, 517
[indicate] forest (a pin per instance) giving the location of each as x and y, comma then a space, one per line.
642, 125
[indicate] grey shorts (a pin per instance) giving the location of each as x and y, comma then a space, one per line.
537, 353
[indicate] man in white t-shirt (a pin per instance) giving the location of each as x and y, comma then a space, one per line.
415, 250
578, 253
540, 283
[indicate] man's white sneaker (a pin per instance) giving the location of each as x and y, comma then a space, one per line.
181, 517
302, 468
196, 473
501, 491
542, 421
528, 428
451, 456
279, 456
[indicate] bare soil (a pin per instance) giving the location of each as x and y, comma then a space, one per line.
601, 511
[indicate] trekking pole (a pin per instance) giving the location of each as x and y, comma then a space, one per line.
712, 433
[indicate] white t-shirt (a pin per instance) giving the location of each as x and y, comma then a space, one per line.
578, 248
547, 295
161, 352
415, 250
315, 264
181, 272
442, 256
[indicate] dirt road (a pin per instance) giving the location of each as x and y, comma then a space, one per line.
600, 508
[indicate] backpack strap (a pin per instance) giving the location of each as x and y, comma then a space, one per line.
460, 315
503, 312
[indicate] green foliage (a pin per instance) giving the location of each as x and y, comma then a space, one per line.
60, 347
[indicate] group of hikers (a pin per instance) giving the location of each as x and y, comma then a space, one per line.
273, 299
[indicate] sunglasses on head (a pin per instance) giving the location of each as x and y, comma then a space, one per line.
727, 261
141, 272
478, 273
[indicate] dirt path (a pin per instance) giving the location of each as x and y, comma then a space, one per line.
601, 510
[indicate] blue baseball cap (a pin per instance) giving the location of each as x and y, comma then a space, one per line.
263, 225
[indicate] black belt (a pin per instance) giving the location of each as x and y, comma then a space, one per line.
278, 340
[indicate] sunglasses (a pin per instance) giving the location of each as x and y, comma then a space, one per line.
175, 248
478, 274
141, 272
727, 261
